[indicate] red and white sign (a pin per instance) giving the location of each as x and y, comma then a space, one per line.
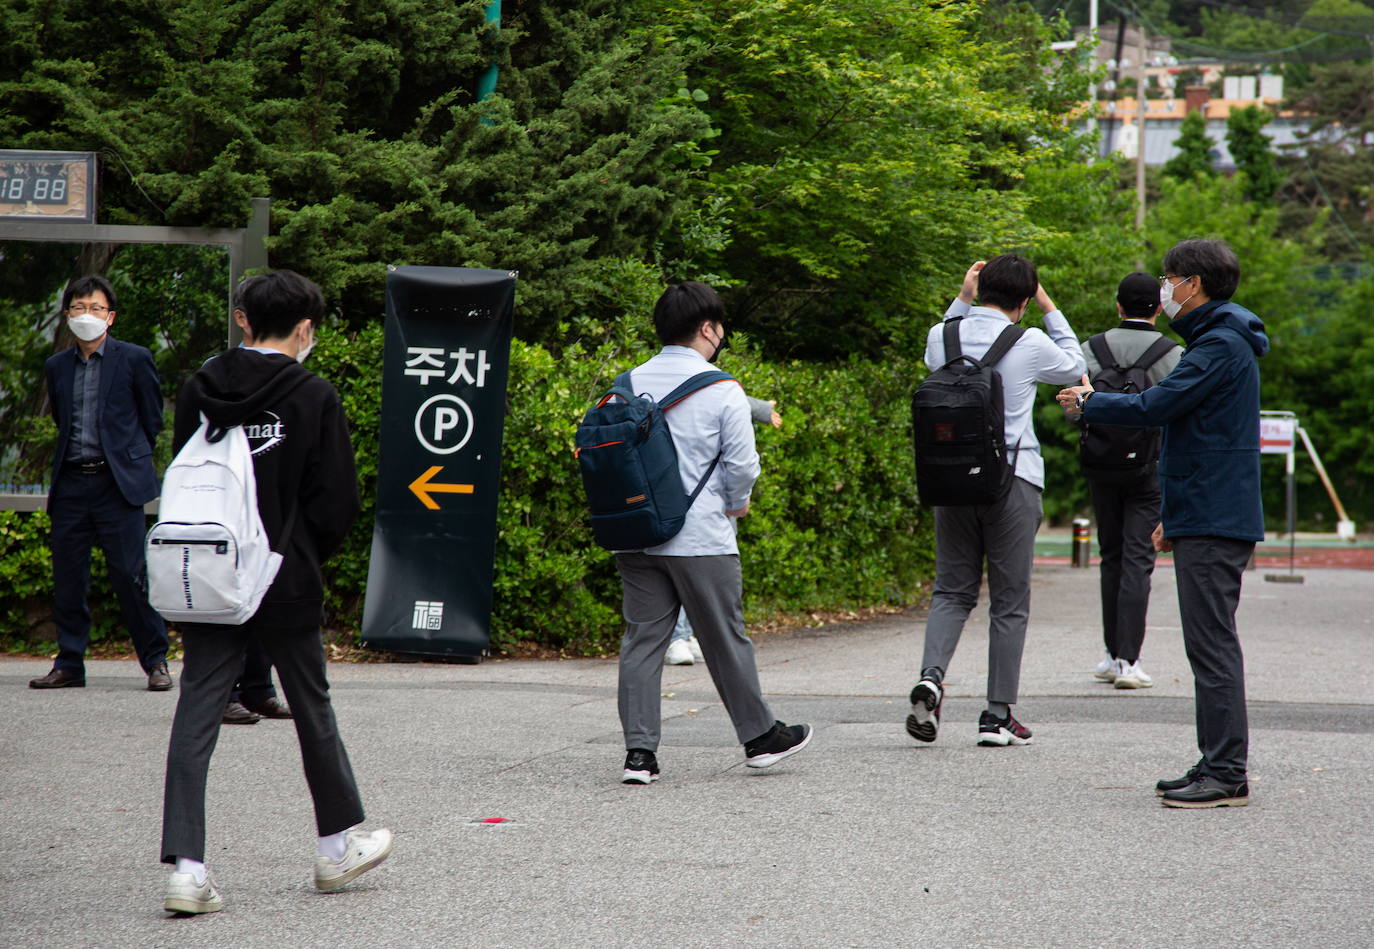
1277, 435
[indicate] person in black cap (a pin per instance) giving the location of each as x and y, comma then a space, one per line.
1120, 465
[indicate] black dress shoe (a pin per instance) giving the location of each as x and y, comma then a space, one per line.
269, 708
1165, 785
60, 679
159, 679
1208, 791
236, 714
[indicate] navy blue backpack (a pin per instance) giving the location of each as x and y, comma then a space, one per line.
629, 465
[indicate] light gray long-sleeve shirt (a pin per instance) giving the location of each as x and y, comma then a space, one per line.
1051, 355
714, 421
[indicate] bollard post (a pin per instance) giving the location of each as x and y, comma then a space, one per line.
1082, 542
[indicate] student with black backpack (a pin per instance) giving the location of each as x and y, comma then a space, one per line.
985, 417
1120, 463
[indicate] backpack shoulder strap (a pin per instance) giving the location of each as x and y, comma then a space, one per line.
694, 385
620, 386
1155, 353
1002, 345
952, 348
1106, 359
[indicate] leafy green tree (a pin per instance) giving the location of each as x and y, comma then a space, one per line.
1194, 156
1250, 149
867, 152
1329, 174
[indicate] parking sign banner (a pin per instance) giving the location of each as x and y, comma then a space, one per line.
429, 582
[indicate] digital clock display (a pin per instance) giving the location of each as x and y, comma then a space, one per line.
47, 186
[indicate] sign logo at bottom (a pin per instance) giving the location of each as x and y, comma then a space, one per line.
429, 614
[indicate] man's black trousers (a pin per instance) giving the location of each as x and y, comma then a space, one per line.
89, 509
213, 661
1208, 572
1126, 515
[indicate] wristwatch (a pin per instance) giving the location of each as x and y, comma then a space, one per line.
1081, 398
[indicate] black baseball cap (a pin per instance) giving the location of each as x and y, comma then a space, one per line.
1138, 295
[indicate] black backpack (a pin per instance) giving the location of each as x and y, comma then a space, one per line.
1119, 452
629, 465
959, 423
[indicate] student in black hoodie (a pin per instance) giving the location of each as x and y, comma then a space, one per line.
308, 491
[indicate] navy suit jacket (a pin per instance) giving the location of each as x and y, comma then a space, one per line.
130, 414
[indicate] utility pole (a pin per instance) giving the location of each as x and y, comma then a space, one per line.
1140, 149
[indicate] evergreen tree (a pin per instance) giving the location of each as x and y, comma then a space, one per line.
1250, 149
360, 122
1194, 150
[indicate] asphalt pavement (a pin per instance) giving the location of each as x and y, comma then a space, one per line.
865, 839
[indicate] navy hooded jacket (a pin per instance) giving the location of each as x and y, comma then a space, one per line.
1209, 465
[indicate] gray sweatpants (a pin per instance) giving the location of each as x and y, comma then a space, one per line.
1004, 534
710, 588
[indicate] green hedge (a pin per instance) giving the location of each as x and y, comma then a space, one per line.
834, 522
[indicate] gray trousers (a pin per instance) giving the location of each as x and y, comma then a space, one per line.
1126, 515
711, 590
1208, 572
1004, 535
213, 661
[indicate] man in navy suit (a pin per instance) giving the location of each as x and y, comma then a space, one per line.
107, 403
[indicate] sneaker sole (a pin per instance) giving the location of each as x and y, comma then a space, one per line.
923, 724
336, 883
1001, 739
765, 761
1133, 683
174, 904
1219, 802
638, 777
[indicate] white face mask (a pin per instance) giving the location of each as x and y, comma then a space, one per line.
305, 350
87, 328
1167, 301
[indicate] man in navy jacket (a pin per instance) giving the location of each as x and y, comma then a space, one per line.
107, 403
1210, 513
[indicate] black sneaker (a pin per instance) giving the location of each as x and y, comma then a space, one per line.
777, 743
1164, 785
641, 767
926, 700
1208, 791
1004, 731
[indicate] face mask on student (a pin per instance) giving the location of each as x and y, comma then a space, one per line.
305, 350
1167, 301
87, 328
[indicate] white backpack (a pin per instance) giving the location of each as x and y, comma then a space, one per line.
208, 555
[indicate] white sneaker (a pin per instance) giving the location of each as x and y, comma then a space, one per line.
363, 850
678, 654
695, 646
184, 895
1106, 669
1131, 676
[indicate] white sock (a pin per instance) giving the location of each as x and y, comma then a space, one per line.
333, 846
193, 867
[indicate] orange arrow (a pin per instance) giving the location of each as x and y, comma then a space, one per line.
422, 488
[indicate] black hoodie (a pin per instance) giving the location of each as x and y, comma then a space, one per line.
302, 459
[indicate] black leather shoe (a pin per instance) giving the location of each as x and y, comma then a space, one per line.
159, 679
1207, 791
60, 679
269, 708
236, 714
1165, 785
